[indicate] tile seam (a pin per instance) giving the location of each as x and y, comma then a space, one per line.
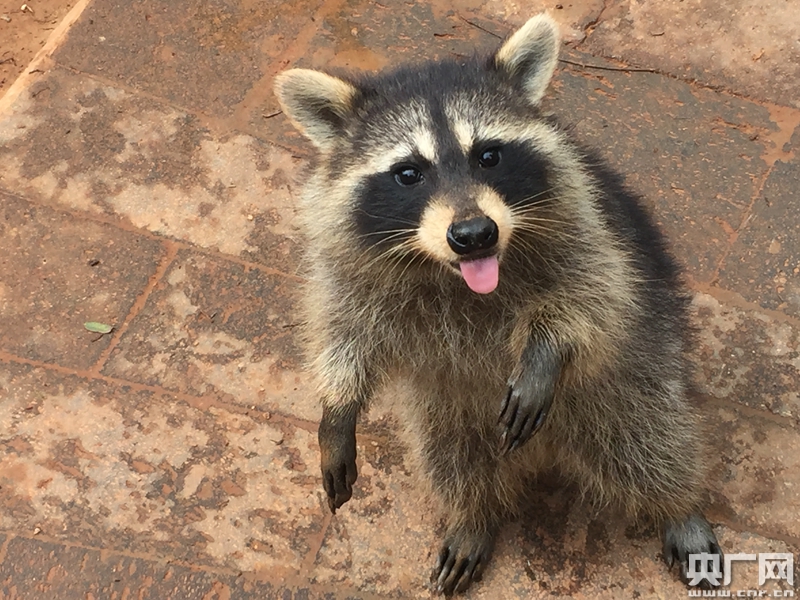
747, 214
325, 7
590, 26
242, 111
54, 40
629, 67
203, 403
171, 251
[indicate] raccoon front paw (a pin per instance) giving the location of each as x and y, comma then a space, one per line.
461, 561
693, 536
339, 473
337, 445
523, 412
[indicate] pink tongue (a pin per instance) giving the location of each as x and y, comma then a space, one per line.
481, 275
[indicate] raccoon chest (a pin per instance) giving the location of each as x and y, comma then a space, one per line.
466, 341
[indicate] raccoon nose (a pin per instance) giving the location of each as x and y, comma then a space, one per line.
471, 235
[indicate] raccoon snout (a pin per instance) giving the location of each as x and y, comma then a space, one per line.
478, 233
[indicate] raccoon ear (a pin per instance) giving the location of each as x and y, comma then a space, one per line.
316, 103
530, 55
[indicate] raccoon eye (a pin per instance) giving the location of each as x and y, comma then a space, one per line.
489, 158
408, 176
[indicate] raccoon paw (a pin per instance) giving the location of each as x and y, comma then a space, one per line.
522, 413
461, 561
693, 536
337, 445
339, 473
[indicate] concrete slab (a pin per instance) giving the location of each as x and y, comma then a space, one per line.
57, 272
36, 569
117, 467
747, 356
755, 486
72, 140
222, 331
200, 56
751, 47
764, 263
692, 155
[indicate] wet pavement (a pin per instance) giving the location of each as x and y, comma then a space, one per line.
148, 181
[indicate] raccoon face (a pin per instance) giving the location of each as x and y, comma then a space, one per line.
444, 160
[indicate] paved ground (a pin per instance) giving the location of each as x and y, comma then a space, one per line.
148, 182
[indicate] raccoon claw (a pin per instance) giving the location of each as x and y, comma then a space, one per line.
530, 394
338, 483
460, 563
693, 536
521, 415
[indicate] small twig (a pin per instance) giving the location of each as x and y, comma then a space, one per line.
270, 115
499, 37
9, 59
623, 69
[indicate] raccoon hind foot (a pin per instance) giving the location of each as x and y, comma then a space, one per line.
461, 561
692, 536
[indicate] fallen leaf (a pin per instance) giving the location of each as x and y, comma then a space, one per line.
98, 327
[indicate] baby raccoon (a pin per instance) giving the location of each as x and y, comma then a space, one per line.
461, 242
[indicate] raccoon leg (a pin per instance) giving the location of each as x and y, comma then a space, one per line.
337, 444
478, 493
637, 443
530, 393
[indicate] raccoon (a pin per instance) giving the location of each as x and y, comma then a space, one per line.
459, 241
